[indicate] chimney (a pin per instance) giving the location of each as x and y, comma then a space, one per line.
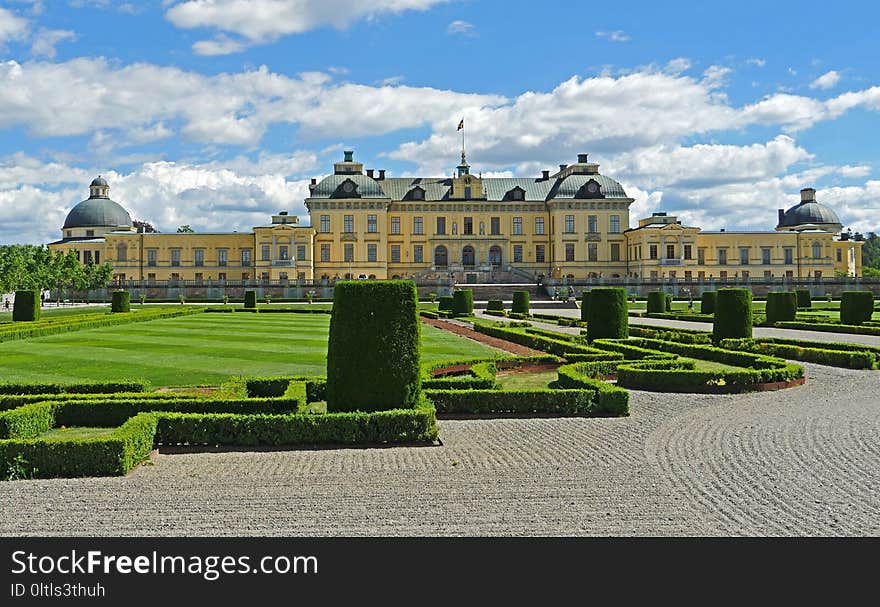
562, 167
582, 158
381, 174
370, 173
545, 175
808, 195
314, 181
349, 155
722, 229
781, 216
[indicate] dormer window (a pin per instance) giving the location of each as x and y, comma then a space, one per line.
417, 193
347, 189
591, 189
516, 193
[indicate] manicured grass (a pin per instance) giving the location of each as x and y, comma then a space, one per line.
75, 433
203, 349
527, 381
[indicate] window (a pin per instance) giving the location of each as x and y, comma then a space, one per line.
371, 224
468, 226
653, 274
122, 252
395, 225
97, 257
441, 225
569, 224
221, 276
245, 257
615, 251
87, 257
701, 275
418, 253
701, 256
817, 251
592, 224
395, 253
517, 253
722, 274
743, 256
615, 225
371, 252
593, 251
539, 225
467, 191
325, 252
569, 251
768, 274
688, 251
672, 274
245, 275
151, 277
266, 252
348, 252
325, 224
765, 256
517, 225
301, 252
789, 255
175, 257
539, 253
839, 255
722, 257
348, 224
495, 226
199, 277
283, 252
418, 225
745, 274
670, 251
418, 194
516, 194
200, 257
175, 276
818, 274
652, 251
90, 233
789, 274
222, 257
688, 275
151, 257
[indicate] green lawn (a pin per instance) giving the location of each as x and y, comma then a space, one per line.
77, 432
527, 381
203, 349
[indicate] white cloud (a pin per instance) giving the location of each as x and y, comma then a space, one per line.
12, 27
615, 36
221, 45
716, 76
756, 62
45, 40
678, 65
858, 171
462, 28
826, 81
265, 20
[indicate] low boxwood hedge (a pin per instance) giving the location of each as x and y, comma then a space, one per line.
27, 421
685, 336
274, 387
134, 385
609, 399
556, 346
480, 376
498, 402
830, 327
495, 304
850, 356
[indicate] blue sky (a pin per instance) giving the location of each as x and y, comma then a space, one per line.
216, 113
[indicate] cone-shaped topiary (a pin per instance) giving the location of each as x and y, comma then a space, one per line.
585, 305
373, 351
520, 302
121, 301
607, 316
26, 307
781, 306
856, 307
250, 299
463, 302
656, 302
707, 302
803, 298
733, 314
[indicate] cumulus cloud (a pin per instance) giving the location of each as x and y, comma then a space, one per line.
45, 40
12, 27
756, 62
615, 36
462, 28
827, 80
221, 45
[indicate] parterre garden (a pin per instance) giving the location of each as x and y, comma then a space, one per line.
384, 380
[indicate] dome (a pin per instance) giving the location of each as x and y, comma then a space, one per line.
99, 181
366, 187
97, 212
809, 212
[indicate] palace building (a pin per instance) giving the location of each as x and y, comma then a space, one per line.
572, 224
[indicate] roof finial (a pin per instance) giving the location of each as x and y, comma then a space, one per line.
463, 168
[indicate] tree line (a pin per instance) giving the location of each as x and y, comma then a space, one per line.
33, 267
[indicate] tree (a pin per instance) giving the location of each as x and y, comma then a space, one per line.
185, 230
146, 225
871, 251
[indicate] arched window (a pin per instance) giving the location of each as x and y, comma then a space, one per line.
441, 256
468, 256
817, 250
495, 255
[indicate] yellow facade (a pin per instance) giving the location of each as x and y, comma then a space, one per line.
573, 224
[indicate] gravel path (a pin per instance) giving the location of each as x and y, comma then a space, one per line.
803, 461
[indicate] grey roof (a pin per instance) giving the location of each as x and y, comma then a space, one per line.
97, 212
99, 181
809, 213
495, 188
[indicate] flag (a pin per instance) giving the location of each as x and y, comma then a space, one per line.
460, 125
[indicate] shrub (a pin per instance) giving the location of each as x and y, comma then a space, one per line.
656, 302
609, 399
733, 314
607, 316
445, 303
26, 307
668, 302
856, 307
499, 313
863, 329
28, 421
121, 301
80, 388
781, 306
250, 300
686, 336
373, 351
463, 302
559, 346
497, 402
803, 298
707, 302
480, 376
836, 355
495, 304
585, 305
520, 302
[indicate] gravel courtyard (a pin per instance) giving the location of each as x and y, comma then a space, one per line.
803, 461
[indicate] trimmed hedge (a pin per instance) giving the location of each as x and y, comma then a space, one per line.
585, 305
707, 302
497, 402
668, 302
463, 302
856, 307
685, 336
28, 421
558, 346
609, 398
656, 302
495, 304
803, 298
250, 299
480, 376
843, 355
373, 350
445, 303
823, 327
607, 316
781, 306
274, 387
79, 388
520, 302
26, 307
733, 314
121, 302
